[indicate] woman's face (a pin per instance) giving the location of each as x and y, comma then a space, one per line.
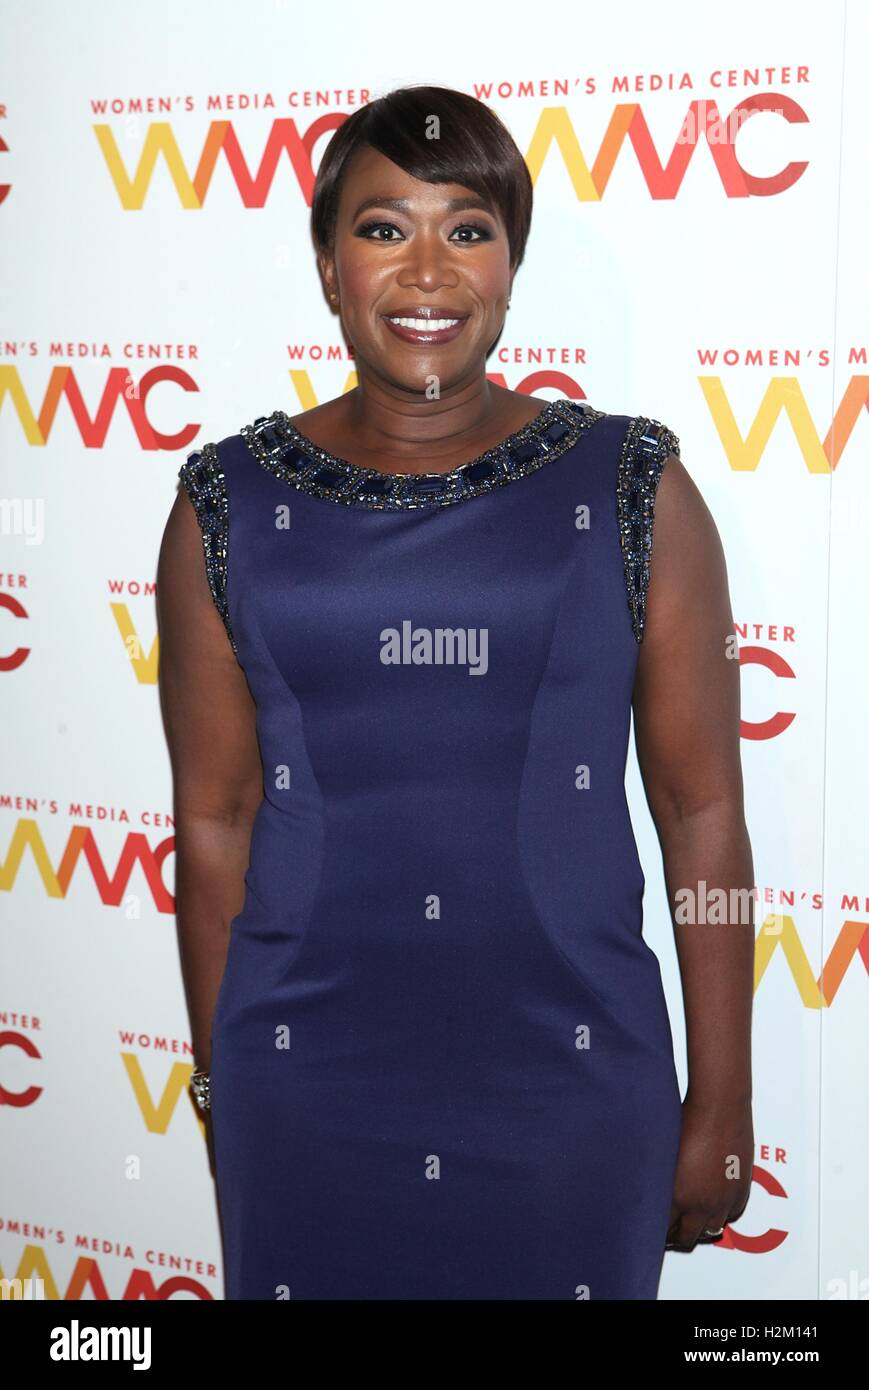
428, 254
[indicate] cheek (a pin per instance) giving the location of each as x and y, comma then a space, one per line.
489, 276
361, 274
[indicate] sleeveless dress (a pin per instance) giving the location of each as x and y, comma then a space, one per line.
442, 1065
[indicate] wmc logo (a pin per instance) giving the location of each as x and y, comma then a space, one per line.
75, 1343
81, 856
35, 1279
283, 146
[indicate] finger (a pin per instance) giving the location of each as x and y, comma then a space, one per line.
673, 1228
713, 1230
690, 1229
739, 1208
674, 1234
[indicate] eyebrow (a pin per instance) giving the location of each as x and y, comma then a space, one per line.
403, 205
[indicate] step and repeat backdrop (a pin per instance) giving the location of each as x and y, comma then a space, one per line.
697, 255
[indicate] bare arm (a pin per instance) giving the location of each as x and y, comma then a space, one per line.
210, 721
686, 714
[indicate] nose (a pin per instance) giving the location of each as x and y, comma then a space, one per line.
426, 266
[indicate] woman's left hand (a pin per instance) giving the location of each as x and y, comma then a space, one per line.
713, 1171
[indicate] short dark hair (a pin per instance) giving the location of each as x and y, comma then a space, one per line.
474, 148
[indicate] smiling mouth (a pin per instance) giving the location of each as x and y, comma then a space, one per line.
423, 325
429, 329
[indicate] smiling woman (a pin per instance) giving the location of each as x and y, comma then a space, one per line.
420, 218
432, 1043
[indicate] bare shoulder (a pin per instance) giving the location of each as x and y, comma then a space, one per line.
688, 606
686, 539
679, 499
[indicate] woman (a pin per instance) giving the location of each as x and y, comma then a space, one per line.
398, 697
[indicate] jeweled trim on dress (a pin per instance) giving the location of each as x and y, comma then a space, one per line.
203, 478
281, 449
646, 447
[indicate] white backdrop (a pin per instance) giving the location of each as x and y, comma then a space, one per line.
159, 290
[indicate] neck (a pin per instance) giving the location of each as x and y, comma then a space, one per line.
397, 425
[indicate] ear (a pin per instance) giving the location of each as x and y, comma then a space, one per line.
326, 264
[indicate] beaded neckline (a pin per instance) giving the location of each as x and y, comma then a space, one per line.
646, 446
289, 454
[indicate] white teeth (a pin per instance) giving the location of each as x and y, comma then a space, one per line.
424, 325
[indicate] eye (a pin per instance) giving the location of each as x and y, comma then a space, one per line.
368, 227
484, 231
368, 230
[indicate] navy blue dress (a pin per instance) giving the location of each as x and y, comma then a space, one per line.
442, 1064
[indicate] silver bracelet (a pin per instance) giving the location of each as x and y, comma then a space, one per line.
201, 1083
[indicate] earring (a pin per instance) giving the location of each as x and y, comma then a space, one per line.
509, 302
